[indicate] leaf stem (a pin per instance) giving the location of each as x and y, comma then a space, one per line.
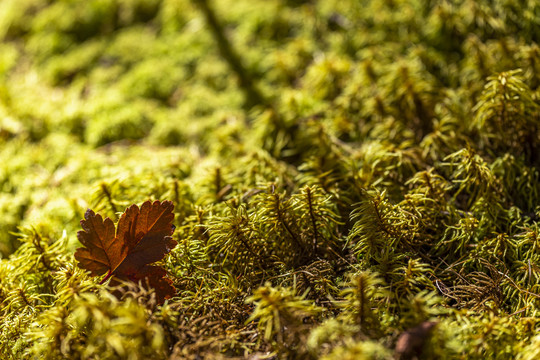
109, 275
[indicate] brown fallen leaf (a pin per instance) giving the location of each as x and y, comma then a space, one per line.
410, 343
143, 236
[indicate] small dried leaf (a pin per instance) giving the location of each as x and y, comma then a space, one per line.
102, 252
143, 236
147, 234
411, 342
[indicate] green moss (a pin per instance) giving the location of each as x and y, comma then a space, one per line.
117, 124
380, 199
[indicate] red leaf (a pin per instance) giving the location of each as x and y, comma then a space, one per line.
102, 253
143, 236
411, 342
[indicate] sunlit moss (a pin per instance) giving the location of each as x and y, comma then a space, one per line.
385, 182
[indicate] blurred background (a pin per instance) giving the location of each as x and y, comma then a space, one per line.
105, 103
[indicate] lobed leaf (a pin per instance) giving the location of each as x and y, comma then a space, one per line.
143, 236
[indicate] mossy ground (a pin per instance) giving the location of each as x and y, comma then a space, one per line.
366, 168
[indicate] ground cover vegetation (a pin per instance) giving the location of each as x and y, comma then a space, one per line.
342, 179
